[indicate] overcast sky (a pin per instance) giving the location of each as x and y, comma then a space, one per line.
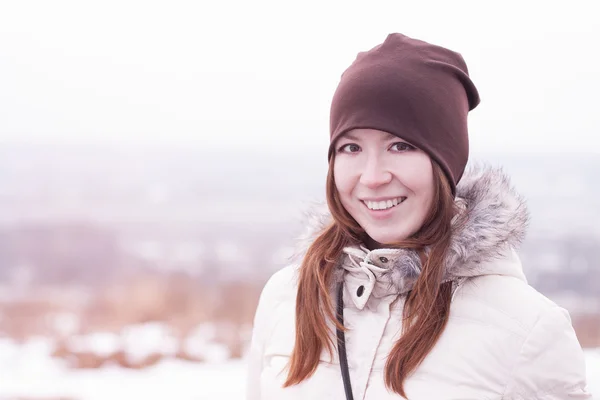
260, 75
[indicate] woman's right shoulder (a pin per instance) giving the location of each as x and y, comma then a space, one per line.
278, 297
281, 286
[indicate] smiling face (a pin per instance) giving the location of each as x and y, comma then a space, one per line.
384, 183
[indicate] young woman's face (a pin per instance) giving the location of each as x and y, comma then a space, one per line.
384, 183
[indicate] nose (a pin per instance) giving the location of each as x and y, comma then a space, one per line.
375, 173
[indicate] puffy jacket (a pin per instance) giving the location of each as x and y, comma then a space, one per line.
503, 339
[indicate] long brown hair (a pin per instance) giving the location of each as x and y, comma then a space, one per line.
427, 305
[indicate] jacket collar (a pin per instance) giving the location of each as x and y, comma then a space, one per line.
496, 219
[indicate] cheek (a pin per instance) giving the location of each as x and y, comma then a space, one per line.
343, 180
417, 176
427, 190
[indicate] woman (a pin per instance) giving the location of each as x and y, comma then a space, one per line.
410, 286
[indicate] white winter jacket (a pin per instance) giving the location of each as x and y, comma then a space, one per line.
503, 340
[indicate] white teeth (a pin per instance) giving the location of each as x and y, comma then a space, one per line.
384, 205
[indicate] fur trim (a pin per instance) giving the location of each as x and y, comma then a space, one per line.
494, 219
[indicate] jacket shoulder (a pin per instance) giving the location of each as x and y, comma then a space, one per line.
278, 291
277, 298
281, 285
512, 302
550, 362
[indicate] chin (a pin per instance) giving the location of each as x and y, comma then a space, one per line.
386, 238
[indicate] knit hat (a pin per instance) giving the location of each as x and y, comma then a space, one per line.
417, 91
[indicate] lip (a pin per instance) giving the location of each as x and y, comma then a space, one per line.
381, 214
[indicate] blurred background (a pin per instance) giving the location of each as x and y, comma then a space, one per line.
157, 160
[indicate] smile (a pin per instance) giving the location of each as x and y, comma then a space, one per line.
384, 204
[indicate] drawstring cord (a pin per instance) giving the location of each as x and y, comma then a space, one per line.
342, 343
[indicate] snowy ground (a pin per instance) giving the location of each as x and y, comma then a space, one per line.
27, 374
168, 380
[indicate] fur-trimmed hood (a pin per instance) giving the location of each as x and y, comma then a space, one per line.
495, 219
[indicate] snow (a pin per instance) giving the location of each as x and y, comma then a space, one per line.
101, 343
200, 344
143, 340
28, 371
170, 379
65, 323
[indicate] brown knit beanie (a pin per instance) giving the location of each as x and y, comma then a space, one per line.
417, 91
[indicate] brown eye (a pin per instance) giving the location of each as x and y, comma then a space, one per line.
402, 146
349, 148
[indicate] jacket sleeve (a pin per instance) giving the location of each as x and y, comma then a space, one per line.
551, 364
260, 332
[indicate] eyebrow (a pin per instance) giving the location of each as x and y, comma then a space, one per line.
389, 136
350, 136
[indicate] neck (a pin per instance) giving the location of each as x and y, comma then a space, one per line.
372, 244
